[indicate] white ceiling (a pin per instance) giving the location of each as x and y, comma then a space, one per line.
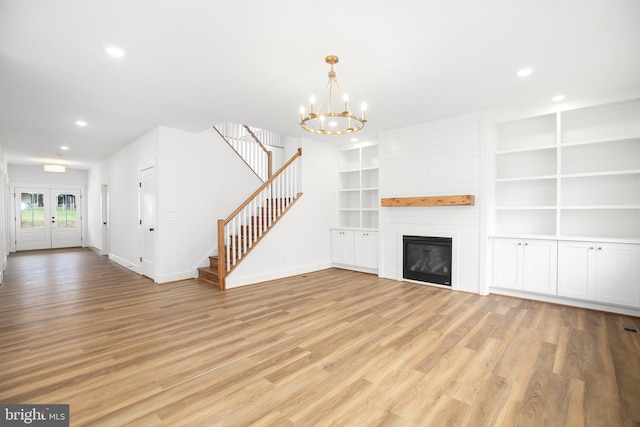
194, 63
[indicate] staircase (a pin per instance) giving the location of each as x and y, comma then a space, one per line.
252, 220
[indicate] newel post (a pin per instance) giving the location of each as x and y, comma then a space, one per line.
222, 254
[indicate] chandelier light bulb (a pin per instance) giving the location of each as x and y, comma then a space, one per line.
312, 101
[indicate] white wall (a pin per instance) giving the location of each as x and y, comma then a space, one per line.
4, 214
121, 172
433, 159
21, 174
300, 242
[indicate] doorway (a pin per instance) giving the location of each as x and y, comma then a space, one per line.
48, 218
104, 212
147, 208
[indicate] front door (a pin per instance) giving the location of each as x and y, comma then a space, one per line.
47, 218
65, 219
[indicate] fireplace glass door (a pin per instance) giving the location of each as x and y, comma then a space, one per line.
427, 259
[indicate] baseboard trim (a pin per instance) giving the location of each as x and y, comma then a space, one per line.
233, 282
123, 262
593, 305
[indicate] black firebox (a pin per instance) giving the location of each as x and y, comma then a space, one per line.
427, 259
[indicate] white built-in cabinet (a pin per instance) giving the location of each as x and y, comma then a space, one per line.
573, 177
355, 248
355, 243
343, 247
604, 272
526, 264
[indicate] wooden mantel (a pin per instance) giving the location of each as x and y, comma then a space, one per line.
461, 200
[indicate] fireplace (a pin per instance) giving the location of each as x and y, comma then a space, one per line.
427, 259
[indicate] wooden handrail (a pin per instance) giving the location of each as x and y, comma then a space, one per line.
260, 144
255, 138
263, 186
223, 268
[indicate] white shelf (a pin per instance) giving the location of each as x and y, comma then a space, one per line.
528, 178
599, 123
525, 150
608, 173
521, 208
600, 207
527, 134
574, 174
358, 192
601, 141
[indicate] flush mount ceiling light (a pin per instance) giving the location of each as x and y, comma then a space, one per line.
113, 50
340, 119
558, 98
81, 123
54, 168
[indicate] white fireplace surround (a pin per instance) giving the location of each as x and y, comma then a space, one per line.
455, 256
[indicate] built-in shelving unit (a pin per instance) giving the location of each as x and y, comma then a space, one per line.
570, 174
567, 197
358, 192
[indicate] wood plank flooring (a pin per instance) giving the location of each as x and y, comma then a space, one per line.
332, 347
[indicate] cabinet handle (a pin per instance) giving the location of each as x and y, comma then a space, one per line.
599, 249
519, 244
526, 244
591, 248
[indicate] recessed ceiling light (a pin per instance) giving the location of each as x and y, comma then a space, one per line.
81, 123
64, 147
113, 50
524, 72
558, 98
354, 139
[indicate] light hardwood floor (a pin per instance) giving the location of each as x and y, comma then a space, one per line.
332, 347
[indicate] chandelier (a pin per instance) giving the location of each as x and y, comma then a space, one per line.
337, 118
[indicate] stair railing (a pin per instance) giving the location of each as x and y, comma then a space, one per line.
248, 146
250, 222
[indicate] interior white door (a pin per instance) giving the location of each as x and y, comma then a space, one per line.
33, 219
147, 200
66, 219
48, 218
104, 198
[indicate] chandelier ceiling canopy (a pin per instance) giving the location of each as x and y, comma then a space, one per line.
332, 116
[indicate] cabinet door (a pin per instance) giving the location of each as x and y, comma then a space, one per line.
366, 249
540, 262
576, 270
617, 274
342, 246
507, 263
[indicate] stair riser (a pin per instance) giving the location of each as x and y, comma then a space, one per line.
206, 275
